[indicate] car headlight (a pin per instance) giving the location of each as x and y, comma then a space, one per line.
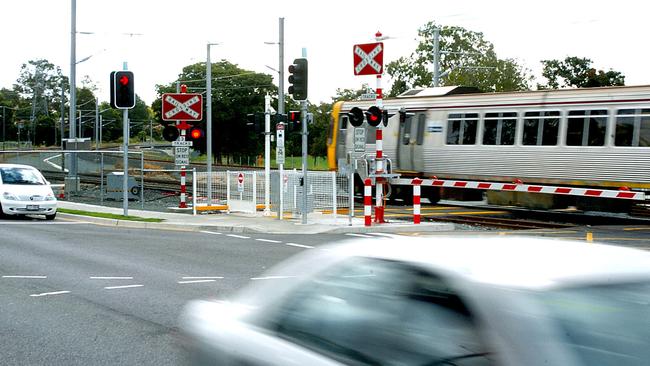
9, 196
49, 197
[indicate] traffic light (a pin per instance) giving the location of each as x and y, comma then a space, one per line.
295, 121
298, 79
170, 133
195, 135
385, 115
374, 116
356, 116
122, 90
403, 115
256, 122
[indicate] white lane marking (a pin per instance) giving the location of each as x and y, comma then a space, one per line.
203, 278
56, 166
271, 278
50, 293
386, 235
196, 281
238, 236
269, 241
300, 245
116, 287
210, 232
24, 276
110, 278
359, 235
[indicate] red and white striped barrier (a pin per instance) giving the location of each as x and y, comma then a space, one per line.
183, 203
367, 201
416, 200
623, 193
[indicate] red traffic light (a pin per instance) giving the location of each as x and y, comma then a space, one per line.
294, 116
124, 80
374, 116
196, 133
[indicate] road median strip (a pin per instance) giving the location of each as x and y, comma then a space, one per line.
104, 215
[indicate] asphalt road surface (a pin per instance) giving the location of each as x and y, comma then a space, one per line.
81, 294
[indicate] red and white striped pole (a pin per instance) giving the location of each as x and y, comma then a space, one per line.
183, 199
379, 147
367, 201
416, 199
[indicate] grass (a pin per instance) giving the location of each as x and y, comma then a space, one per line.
108, 215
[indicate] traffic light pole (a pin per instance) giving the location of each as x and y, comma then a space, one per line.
267, 154
305, 133
125, 148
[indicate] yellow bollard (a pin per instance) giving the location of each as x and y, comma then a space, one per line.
590, 237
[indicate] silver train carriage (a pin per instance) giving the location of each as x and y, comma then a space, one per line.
591, 137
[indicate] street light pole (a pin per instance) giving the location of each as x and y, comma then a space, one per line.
208, 121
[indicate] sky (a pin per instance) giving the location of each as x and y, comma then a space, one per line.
158, 38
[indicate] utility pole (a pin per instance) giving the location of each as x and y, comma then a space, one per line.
436, 57
281, 81
267, 154
305, 133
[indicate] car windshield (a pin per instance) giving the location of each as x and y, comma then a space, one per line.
20, 176
604, 325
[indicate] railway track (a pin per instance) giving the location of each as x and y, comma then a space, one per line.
503, 223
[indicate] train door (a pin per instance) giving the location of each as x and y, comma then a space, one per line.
410, 142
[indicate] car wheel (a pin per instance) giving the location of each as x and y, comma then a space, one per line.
50, 217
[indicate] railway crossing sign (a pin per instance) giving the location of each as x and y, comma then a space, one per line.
359, 139
182, 155
182, 106
368, 58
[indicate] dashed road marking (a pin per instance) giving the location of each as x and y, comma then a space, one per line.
195, 281
33, 277
269, 241
110, 278
203, 278
359, 235
271, 278
118, 287
238, 236
210, 232
50, 293
300, 245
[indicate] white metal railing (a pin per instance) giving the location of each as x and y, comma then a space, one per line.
244, 191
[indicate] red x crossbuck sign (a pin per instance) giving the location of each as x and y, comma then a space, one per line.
369, 58
184, 107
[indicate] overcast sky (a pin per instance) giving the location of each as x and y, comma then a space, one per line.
169, 34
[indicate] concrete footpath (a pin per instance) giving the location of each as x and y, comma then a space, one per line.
246, 223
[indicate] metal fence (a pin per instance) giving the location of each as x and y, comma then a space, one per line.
244, 191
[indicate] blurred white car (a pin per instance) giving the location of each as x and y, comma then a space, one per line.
24, 191
435, 301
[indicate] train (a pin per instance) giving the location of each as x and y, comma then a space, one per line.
584, 137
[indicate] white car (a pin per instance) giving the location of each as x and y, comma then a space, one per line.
24, 191
435, 301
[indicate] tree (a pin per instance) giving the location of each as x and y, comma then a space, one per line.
39, 87
578, 73
466, 55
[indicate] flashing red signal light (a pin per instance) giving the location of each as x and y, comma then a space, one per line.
196, 133
374, 116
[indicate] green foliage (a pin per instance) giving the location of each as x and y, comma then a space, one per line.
466, 55
577, 72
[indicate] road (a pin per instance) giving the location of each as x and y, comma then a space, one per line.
80, 294
73, 293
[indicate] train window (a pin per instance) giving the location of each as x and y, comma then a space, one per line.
499, 128
344, 123
541, 128
632, 127
406, 135
462, 128
419, 139
586, 128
